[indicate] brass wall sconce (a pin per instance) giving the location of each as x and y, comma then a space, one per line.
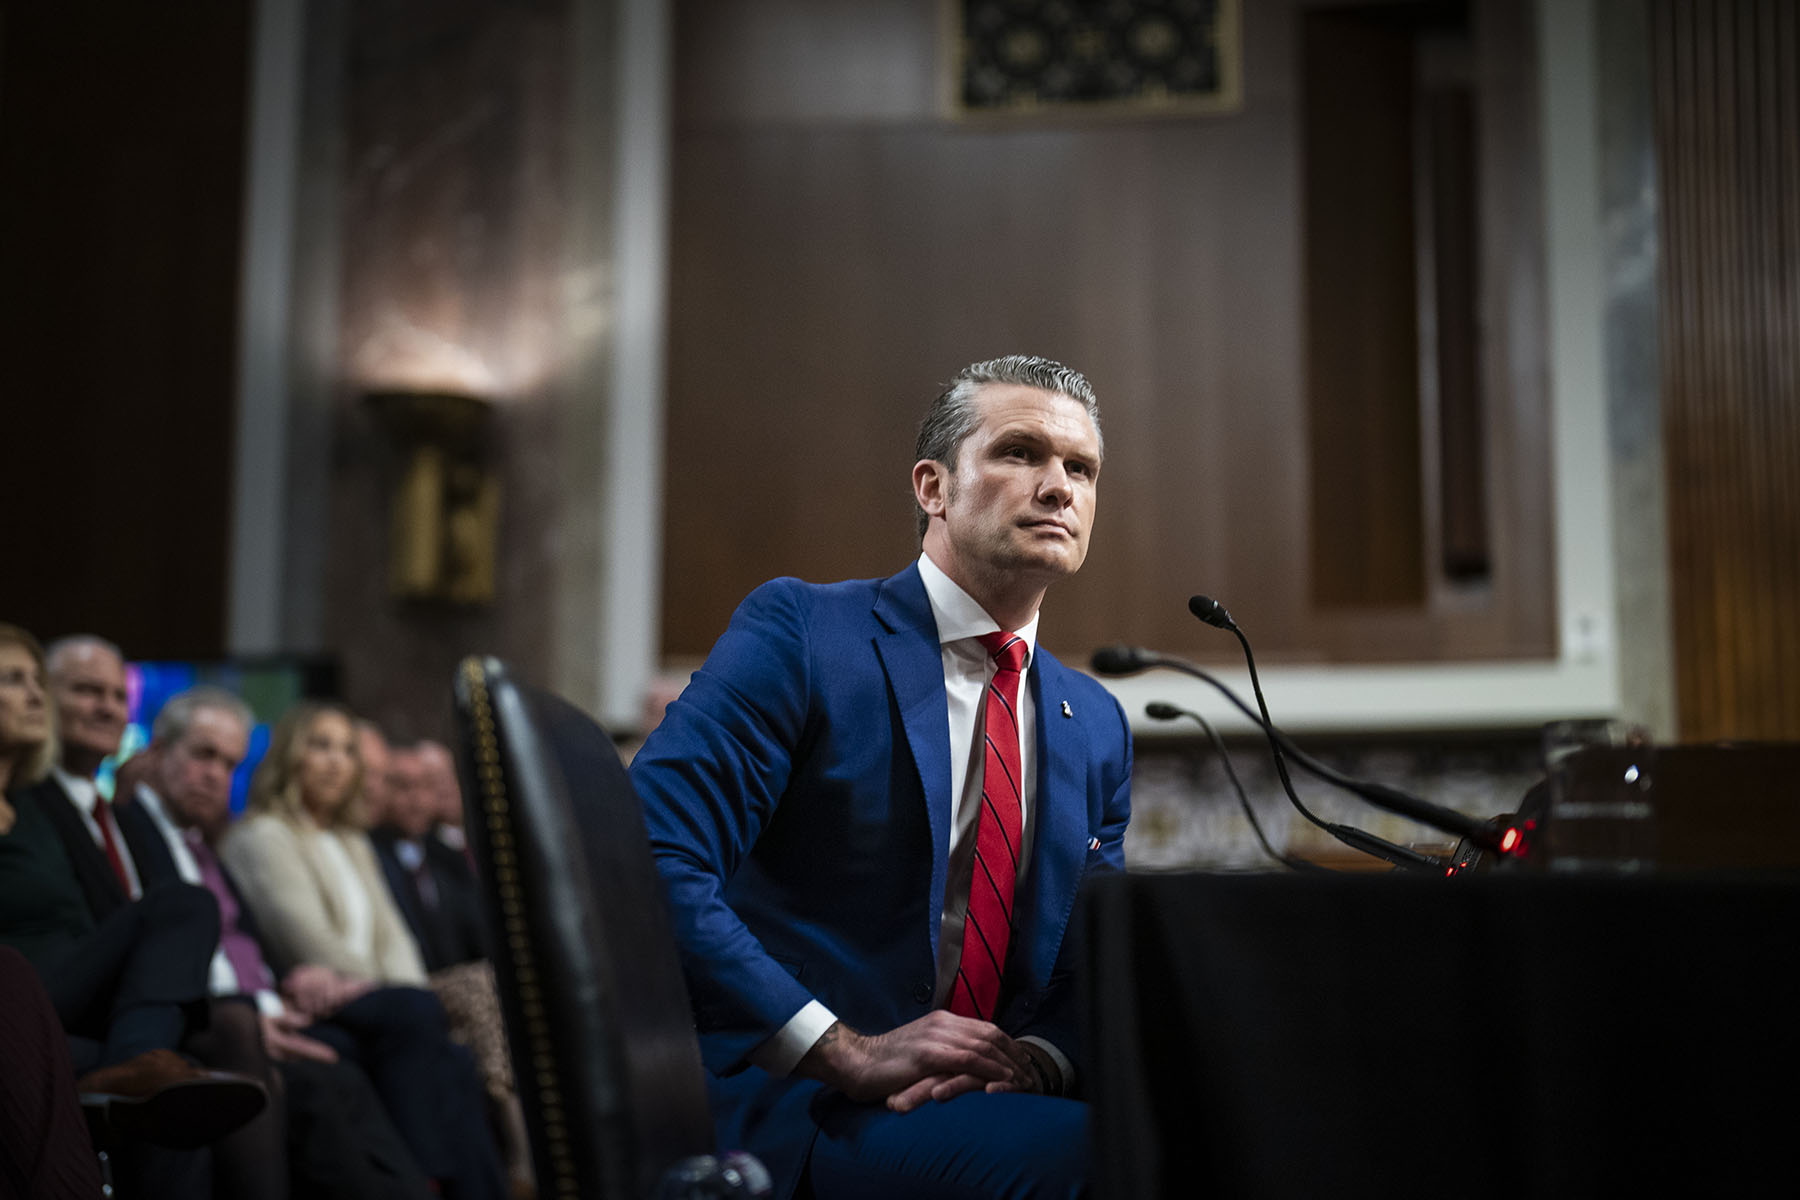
445, 507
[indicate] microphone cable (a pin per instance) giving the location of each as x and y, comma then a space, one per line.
1158, 710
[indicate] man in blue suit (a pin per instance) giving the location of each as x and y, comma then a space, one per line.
873, 807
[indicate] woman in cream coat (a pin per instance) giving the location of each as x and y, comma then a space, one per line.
308, 871
305, 865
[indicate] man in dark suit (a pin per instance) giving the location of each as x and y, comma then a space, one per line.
397, 1035
873, 806
118, 857
433, 885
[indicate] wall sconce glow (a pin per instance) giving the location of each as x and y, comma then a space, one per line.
445, 505
407, 351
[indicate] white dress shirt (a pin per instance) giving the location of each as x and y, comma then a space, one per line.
968, 668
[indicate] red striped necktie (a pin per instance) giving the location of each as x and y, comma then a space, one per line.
988, 927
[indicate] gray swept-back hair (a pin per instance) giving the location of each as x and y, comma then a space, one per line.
953, 415
177, 716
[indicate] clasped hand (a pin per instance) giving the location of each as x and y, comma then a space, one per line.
937, 1057
318, 991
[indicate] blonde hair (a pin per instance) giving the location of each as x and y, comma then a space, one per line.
275, 788
35, 763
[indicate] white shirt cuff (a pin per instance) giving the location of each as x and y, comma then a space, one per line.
782, 1050
1063, 1065
269, 1003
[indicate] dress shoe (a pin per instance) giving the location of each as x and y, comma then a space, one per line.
161, 1098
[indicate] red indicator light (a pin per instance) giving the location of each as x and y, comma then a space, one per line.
1509, 840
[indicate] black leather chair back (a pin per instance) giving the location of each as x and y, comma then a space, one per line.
596, 1011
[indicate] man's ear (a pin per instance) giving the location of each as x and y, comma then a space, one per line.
930, 480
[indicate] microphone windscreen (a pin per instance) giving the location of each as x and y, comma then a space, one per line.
1117, 660
1161, 710
1210, 611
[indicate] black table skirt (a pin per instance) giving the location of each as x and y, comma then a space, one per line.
1276, 1036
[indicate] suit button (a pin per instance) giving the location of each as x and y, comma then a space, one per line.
922, 994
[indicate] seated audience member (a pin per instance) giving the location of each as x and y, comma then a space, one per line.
397, 1034
27, 745
433, 885
449, 827
310, 877
44, 1148
377, 759
440, 900
307, 868
128, 986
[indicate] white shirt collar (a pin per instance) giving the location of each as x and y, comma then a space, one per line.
83, 791
151, 803
958, 615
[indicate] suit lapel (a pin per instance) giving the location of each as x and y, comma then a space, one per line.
1059, 847
95, 875
914, 664
405, 893
149, 853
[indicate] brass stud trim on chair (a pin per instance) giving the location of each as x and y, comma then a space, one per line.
504, 863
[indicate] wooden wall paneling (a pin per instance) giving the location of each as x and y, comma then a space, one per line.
1511, 613
1363, 439
1246, 546
836, 253
1514, 351
1728, 143
122, 152
1462, 548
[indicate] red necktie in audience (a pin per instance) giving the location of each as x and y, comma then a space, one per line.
988, 927
103, 817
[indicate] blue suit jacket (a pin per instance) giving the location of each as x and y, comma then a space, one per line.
798, 798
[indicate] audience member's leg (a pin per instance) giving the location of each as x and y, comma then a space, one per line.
251, 1161
140, 1169
1003, 1146
44, 1148
341, 1144
427, 1083
133, 982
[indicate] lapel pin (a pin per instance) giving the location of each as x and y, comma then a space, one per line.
1067, 711
1093, 843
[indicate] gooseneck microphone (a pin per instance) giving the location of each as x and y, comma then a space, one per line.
1446, 820
1211, 611
1129, 660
